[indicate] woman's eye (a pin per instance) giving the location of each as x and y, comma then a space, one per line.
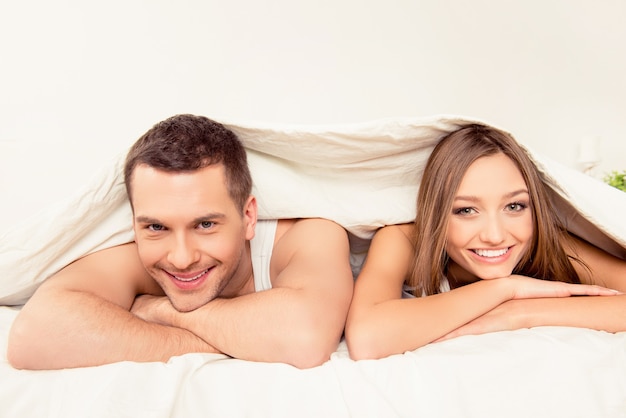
464, 211
516, 207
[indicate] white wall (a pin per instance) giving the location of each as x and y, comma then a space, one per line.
98, 74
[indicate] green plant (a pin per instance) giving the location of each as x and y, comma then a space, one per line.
616, 179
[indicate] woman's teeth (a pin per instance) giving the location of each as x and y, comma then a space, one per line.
491, 253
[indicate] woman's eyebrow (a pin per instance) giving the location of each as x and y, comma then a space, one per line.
467, 198
477, 199
517, 192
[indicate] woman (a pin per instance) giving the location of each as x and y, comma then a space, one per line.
486, 253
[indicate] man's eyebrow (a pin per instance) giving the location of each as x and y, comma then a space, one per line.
146, 220
209, 217
204, 218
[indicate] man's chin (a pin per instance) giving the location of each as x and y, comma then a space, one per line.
185, 308
181, 306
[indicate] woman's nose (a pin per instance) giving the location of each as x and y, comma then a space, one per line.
493, 231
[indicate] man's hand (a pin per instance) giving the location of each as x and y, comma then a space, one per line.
74, 322
156, 309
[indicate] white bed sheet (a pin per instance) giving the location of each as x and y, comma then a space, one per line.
540, 372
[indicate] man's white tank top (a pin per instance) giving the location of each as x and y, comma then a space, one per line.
261, 247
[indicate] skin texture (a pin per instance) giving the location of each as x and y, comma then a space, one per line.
485, 296
128, 302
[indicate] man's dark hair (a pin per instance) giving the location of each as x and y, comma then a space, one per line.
185, 143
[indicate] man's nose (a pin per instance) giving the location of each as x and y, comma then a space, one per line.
182, 252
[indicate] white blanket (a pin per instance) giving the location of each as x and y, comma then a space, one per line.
362, 176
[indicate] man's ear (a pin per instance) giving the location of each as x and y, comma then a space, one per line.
250, 213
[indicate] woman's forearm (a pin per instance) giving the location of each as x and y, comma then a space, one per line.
605, 313
399, 325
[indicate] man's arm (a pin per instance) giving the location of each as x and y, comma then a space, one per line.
80, 317
299, 321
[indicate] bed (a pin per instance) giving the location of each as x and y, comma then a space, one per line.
362, 176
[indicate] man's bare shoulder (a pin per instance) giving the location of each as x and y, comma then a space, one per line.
310, 236
306, 249
115, 266
309, 229
125, 255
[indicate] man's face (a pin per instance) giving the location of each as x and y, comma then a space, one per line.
192, 238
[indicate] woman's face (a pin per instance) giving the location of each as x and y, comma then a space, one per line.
490, 225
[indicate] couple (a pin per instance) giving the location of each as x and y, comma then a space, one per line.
203, 275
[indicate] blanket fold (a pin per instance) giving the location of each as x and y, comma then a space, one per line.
362, 176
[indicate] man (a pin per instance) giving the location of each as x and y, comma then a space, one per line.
203, 275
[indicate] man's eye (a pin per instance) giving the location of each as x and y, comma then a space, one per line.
155, 227
206, 224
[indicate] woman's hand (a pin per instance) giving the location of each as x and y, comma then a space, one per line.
514, 313
528, 288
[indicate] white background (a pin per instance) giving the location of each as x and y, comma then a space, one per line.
81, 80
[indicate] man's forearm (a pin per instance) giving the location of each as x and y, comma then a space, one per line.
77, 329
272, 326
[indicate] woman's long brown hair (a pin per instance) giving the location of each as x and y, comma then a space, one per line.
546, 258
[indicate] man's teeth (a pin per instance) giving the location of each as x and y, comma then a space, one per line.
190, 279
491, 253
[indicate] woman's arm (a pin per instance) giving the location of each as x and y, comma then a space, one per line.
600, 313
381, 323
606, 314
604, 269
